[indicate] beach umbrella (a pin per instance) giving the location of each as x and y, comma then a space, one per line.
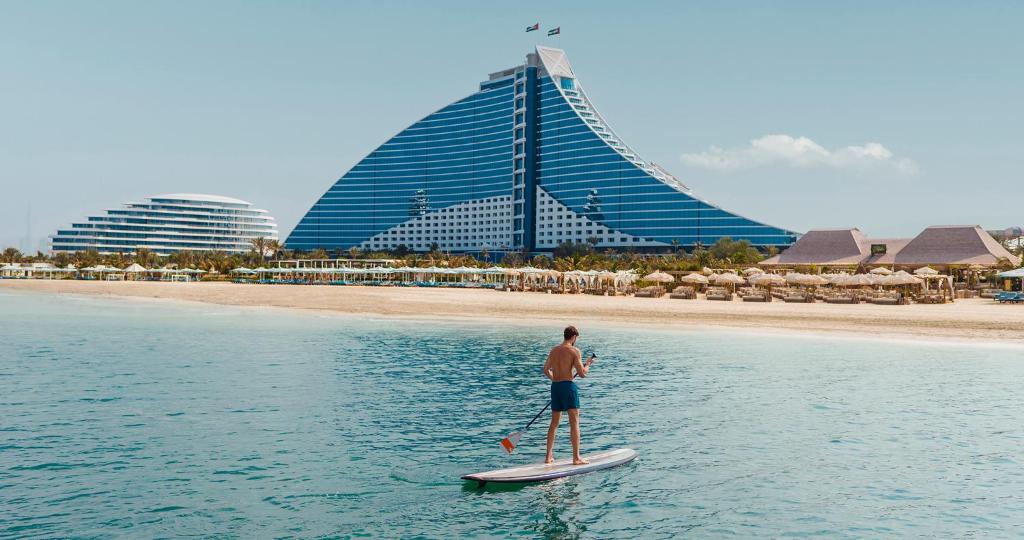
694, 278
660, 277
751, 271
881, 271
926, 271
899, 279
135, 267
731, 279
857, 280
707, 271
809, 280
768, 280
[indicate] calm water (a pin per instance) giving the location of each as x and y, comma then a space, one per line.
131, 418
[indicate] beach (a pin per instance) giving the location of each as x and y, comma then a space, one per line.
974, 320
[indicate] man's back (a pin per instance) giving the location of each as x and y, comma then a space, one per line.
561, 361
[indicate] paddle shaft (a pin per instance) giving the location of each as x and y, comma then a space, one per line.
592, 356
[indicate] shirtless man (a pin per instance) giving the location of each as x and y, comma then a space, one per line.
561, 362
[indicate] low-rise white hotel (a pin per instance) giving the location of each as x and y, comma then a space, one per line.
166, 224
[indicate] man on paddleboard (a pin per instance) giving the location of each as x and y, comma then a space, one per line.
559, 367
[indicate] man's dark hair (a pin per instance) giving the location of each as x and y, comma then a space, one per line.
570, 332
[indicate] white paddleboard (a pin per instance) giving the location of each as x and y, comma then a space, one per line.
540, 472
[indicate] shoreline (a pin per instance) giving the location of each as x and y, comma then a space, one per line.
971, 322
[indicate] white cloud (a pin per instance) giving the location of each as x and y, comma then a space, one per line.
798, 152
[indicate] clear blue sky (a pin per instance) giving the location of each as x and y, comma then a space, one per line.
887, 116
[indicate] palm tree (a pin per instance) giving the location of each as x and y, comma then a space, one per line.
274, 247
259, 247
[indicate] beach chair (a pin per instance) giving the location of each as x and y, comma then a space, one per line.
683, 293
718, 293
799, 297
756, 296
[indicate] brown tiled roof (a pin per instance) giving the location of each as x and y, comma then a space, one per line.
956, 244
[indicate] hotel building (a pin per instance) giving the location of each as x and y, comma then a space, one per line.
165, 224
524, 163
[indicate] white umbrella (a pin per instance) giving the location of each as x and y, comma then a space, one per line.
881, 271
926, 271
752, 270
660, 277
770, 280
135, 267
856, 280
732, 279
694, 278
898, 279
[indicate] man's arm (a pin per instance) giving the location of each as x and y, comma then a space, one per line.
547, 368
577, 361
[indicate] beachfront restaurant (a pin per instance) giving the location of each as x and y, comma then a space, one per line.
964, 253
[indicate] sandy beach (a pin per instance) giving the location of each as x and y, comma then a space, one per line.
978, 320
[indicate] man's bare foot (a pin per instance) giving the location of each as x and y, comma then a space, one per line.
549, 459
579, 461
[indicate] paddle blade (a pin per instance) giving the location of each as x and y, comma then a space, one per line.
509, 443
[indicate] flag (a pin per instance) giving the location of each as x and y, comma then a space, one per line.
536, 26
555, 31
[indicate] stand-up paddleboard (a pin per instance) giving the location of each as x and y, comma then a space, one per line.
540, 472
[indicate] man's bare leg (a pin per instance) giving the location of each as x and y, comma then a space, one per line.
574, 432
556, 418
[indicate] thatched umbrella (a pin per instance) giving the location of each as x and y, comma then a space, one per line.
806, 280
899, 279
856, 280
769, 280
694, 278
729, 279
751, 271
660, 277
881, 271
926, 271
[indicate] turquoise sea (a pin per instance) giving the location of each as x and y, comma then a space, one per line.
135, 418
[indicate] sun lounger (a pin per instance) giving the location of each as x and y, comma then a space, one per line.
718, 293
1009, 297
650, 292
840, 299
683, 293
798, 297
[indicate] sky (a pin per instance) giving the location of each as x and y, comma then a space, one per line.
880, 115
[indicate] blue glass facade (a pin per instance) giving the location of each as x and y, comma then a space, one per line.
524, 163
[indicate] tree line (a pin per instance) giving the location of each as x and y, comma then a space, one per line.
567, 256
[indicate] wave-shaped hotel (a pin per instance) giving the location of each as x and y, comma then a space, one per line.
524, 163
166, 224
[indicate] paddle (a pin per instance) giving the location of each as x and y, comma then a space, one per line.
509, 443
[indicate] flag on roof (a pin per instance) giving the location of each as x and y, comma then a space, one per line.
555, 31
536, 26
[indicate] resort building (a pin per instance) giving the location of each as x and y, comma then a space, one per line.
524, 163
937, 246
165, 224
